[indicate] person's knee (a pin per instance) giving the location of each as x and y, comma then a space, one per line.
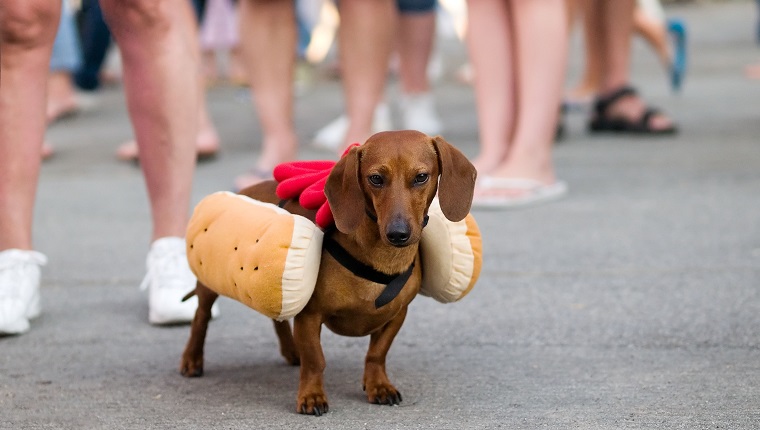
29, 24
137, 15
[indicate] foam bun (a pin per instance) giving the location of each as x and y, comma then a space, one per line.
452, 256
255, 253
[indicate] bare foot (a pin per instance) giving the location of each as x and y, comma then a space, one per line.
465, 74
752, 71
62, 101
273, 153
60, 109
485, 164
110, 78
251, 178
206, 144
46, 151
534, 171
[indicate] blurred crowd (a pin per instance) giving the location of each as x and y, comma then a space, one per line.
517, 51
56, 52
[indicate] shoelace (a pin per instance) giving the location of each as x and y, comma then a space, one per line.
169, 267
13, 267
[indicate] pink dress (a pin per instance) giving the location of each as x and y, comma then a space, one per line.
219, 29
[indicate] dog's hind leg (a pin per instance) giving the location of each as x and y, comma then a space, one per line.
192, 358
287, 345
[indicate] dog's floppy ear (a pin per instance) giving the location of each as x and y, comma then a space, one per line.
457, 182
344, 192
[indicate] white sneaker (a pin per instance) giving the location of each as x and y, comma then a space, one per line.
418, 113
19, 289
331, 136
168, 280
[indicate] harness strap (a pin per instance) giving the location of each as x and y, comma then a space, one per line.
393, 288
393, 283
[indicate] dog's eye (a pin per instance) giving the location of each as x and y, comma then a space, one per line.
421, 178
375, 180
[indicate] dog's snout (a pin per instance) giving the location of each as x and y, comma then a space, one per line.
398, 232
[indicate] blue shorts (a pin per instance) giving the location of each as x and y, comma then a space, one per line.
415, 6
67, 54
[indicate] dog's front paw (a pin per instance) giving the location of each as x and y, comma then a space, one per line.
191, 366
382, 393
312, 404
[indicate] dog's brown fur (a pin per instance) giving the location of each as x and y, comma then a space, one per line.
343, 302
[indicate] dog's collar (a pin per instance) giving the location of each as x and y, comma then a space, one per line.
393, 283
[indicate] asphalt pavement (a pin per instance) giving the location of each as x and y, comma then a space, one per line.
632, 303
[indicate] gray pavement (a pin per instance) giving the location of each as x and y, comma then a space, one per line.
632, 303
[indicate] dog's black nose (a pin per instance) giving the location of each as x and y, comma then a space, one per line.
398, 233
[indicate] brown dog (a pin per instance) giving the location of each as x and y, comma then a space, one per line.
379, 194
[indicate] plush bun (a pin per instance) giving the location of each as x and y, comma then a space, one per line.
254, 252
452, 256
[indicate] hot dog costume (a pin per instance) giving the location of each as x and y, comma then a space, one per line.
268, 259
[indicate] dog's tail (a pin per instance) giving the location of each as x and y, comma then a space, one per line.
188, 295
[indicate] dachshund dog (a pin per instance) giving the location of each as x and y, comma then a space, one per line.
370, 270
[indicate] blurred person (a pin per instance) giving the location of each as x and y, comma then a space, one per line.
268, 37
267, 43
414, 46
617, 107
65, 59
207, 141
518, 51
96, 40
219, 34
667, 37
62, 100
752, 71
366, 35
158, 43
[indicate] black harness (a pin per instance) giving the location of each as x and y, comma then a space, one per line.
393, 283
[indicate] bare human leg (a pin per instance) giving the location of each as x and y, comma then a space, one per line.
366, 36
415, 46
541, 59
27, 31
268, 40
489, 42
158, 42
614, 27
591, 78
